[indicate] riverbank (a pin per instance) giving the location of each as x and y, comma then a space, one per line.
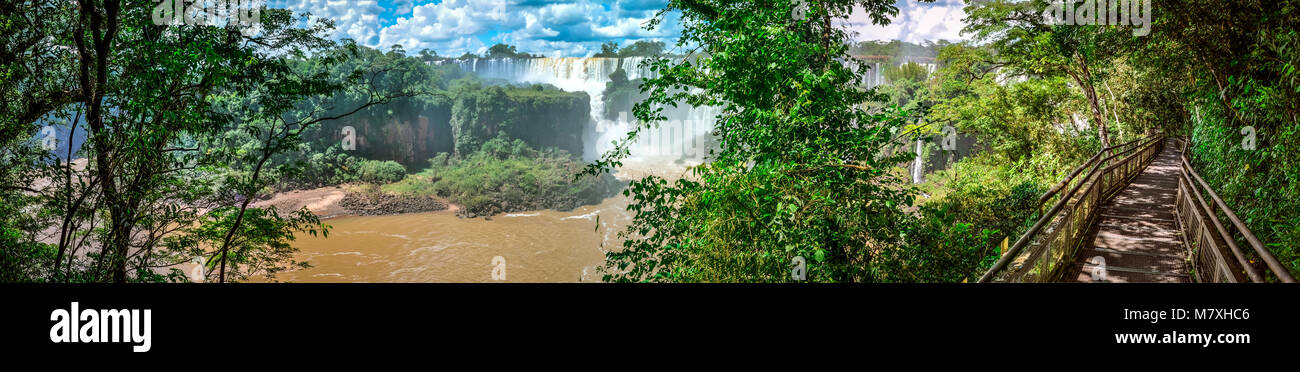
369, 200
352, 200
544, 245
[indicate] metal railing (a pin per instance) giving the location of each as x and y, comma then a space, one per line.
1210, 242
1050, 245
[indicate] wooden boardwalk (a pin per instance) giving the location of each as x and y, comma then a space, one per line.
1136, 237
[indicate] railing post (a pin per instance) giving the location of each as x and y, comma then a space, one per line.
1046, 270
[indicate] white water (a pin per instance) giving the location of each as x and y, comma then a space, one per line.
918, 165
680, 137
571, 74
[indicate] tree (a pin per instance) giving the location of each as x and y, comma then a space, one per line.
155, 100
381, 172
607, 50
34, 73
1216, 72
641, 48
908, 71
1026, 42
799, 171
505, 51
427, 55
285, 104
908, 83
620, 94
141, 99
1017, 119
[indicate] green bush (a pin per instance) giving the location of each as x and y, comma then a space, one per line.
331, 167
380, 172
506, 175
972, 207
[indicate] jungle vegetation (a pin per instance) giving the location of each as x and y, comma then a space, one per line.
809, 162
184, 126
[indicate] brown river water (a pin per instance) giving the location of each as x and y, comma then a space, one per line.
537, 246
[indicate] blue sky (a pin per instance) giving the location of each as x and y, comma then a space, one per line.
562, 28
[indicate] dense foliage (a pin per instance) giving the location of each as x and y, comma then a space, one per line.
799, 172
1037, 98
186, 125
380, 172
507, 175
542, 116
506, 51
1227, 67
640, 48
181, 123
897, 48
620, 94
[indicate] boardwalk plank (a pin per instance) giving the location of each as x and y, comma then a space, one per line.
1136, 236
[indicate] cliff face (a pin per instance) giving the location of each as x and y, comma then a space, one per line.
410, 131
541, 117
407, 131
544, 119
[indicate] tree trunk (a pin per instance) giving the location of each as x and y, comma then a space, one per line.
239, 218
1097, 115
92, 96
1084, 79
70, 209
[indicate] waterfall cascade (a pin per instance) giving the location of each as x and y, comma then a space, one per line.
876, 76
571, 74
682, 136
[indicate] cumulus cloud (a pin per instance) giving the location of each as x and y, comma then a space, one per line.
355, 19
566, 28
452, 27
446, 27
915, 22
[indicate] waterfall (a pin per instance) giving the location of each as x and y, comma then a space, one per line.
570, 74
681, 136
880, 75
918, 165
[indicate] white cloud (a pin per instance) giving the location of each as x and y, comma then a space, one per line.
915, 22
452, 27
570, 28
446, 27
356, 19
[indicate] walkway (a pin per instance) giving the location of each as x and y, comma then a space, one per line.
1136, 238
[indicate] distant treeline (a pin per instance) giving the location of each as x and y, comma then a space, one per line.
640, 48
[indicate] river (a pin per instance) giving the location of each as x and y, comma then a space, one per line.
538, 246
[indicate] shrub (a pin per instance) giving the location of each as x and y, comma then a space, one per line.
331, 167
379, 172
506, 175
972, 207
